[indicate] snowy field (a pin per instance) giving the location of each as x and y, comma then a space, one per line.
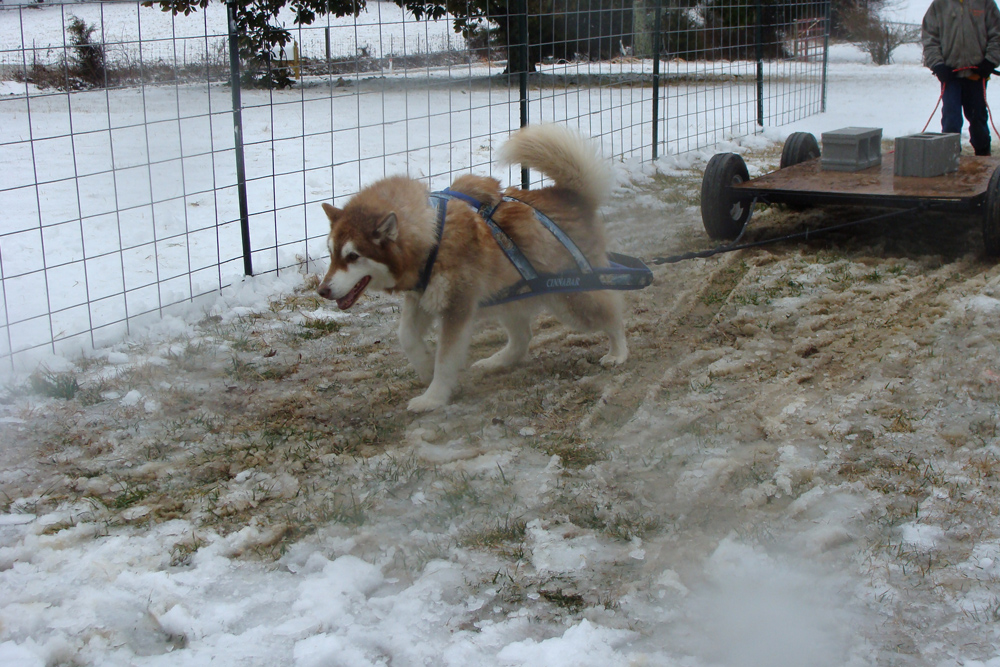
798, 466
385, 30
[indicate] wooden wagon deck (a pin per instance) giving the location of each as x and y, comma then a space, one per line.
807, 183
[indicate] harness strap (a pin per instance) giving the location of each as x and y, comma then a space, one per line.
513, 253
506, 243
442, 208
455, 194
624, 272
561, 236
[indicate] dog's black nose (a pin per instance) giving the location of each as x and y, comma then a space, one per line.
325, 291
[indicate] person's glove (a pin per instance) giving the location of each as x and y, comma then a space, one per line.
985, 68
943, 72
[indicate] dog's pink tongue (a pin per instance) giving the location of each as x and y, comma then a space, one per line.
348, 299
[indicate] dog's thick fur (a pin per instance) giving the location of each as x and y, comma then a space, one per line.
384, 235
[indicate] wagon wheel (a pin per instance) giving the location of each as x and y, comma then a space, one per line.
723, 211
799, 147
991, 216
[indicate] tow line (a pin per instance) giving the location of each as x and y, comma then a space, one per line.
736, 245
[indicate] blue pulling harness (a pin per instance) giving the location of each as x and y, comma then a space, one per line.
625, 273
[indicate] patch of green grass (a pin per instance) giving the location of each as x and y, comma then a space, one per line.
901, 422
789, 286
715, 297
841, 276
570, 601
910, 560
985, 467
723, 282
574, 452
872, 277
626, 526
317, 328
586, 515
902, 476
684, 190
278, 372
620, 525
182, 552
242, 370
347, 511
765, 294
395, 470
460, 490
988, 613
243, 343
130, 495
752, 298
504, 536
54, 385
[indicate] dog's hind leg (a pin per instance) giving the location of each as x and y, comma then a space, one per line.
595, 311
453, 346
413, 324
516, 320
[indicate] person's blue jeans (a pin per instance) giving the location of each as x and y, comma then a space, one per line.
969, 96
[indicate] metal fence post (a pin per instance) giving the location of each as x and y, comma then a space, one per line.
759, 38
656, 79
241, 175
826, 53
522, 20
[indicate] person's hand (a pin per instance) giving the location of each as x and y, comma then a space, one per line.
943, 72
985, 68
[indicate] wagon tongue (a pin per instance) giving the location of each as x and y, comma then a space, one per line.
348, 299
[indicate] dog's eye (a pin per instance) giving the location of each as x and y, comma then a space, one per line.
350, 257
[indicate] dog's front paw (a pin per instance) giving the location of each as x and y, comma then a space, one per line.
611, 360
425, 403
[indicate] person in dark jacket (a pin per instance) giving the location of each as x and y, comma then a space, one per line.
961, 40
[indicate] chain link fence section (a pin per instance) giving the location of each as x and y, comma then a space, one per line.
135, 178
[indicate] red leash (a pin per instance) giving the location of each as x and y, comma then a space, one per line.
940, 97
989, 112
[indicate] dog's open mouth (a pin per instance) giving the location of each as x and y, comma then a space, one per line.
348, 299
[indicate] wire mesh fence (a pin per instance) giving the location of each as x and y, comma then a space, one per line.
135, 177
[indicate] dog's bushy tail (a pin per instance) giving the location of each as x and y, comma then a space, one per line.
564, 156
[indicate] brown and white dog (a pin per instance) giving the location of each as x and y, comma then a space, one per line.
384, 237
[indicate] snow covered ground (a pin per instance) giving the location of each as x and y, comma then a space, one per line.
385, 30
798, 466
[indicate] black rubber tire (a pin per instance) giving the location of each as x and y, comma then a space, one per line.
799, 147
991, 216
723, 212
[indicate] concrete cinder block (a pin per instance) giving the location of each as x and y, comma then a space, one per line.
852, 149
927, 154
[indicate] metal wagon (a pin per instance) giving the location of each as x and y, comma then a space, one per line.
728, 194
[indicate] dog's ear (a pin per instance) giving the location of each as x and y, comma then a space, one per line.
387, 230
332, 212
